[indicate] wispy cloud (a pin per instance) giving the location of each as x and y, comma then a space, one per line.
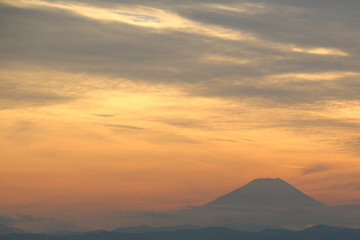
140, 16
104, 115
163, 19
121, 126
162, 215
32, 223
316, 168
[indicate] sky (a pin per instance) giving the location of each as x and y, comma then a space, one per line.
113, 106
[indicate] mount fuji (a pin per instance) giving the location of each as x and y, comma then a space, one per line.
265, 192
260, 204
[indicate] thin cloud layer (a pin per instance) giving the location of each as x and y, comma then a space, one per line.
31, 223
173, 46
315, 169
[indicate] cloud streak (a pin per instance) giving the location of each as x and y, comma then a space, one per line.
316, 169
121, 126
31, 223
161, 19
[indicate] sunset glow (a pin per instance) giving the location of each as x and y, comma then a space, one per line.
111, 106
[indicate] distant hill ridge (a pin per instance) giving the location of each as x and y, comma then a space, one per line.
266, 192
4, 229
212, 233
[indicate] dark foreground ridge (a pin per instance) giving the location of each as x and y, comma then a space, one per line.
320, 232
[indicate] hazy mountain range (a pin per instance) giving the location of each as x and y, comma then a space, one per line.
263, 203
4, 229
320, 232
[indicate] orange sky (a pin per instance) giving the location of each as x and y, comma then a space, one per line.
81, 137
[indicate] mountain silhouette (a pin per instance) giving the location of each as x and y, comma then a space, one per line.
265, 192
211, 233
4, 229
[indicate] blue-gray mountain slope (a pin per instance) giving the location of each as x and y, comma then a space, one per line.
266, 192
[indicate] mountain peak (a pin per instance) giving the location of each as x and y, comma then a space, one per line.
267, 180
266, 192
